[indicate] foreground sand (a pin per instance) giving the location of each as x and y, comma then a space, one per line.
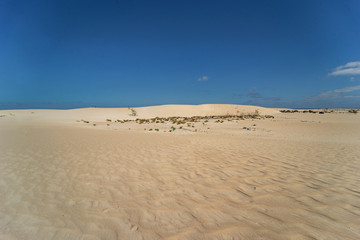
296, 176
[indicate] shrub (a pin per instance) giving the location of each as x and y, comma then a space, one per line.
133, 112
353, 111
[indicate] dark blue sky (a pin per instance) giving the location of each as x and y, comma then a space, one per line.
66, 54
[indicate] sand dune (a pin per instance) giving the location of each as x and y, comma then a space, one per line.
100, 114
294, 176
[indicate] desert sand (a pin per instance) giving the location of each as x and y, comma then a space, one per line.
88, 174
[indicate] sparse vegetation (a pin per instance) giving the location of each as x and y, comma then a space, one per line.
188, 123
353, 111
133, 112
287, 111
307, 111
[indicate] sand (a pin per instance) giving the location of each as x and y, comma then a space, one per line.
294, 176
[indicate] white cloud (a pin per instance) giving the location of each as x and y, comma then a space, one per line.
351, 68
347, 89
203, 78
337, 93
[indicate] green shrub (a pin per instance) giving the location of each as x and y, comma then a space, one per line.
353, 111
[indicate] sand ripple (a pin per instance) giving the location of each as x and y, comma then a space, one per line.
70, 183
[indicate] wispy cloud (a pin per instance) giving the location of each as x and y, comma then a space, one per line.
251, 95
254, 97
350, 96
337, 93
351, 68
347, 97
8, 104
203, 78
42, 105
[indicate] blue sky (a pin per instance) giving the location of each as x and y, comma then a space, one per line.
68, 54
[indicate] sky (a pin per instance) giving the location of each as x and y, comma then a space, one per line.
113, 53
